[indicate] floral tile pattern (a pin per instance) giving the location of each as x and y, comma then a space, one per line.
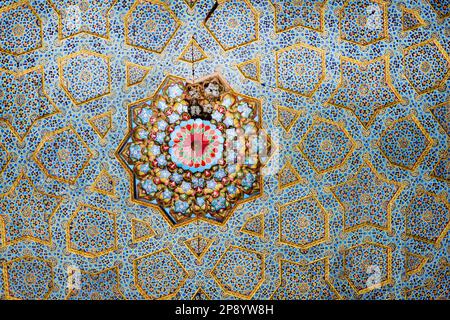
265, 149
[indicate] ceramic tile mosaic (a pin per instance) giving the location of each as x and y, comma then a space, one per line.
308, 160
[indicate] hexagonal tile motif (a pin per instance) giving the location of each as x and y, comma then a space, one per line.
85, 76
290, 14
150, 25
368, 266
25, 213
326, 145
20, 29
239, 272
103, 285
405, 143
365, 88
427, 66
83, 17
28, 278
303, 223
159, 275
63, 155
175, 150
300, 69
234, 24
364, 22
24, 100
305, 281
367, 199
91, 231
428, 218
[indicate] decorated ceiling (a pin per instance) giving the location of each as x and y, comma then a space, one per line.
252, 149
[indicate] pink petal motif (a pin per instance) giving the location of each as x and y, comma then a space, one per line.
196, 145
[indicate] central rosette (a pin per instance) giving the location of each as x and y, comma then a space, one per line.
196, 145
194, 150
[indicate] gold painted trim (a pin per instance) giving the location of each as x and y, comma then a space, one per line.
442, 51
7, 162
259, 255
60, 26
288, 166
326, 275
322, 19
438, 13
91, 255
92, 120
297, 114
416, 14
168, 79
261, 216
7, 292
321, 52
200, 291
388, 226
309, 245
388, 80
38, 69
255, 18
384, 7
423, 261
62, 61
389, 280
143, 238
41, 32
5, 242
178, 24
433, 174
436, 243
435, 118
49, 137
209, 244
410, 117
257, 62
96, 273
102, 174
316, 121
136, 276
129, 64
192, 43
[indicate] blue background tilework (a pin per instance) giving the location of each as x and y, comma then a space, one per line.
370, 224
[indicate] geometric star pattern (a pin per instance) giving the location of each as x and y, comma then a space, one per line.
24, 100
20, 29
405, 143
85, 17
305, 282
351, 202
367, 199
365, 88
26, 213
363, 22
